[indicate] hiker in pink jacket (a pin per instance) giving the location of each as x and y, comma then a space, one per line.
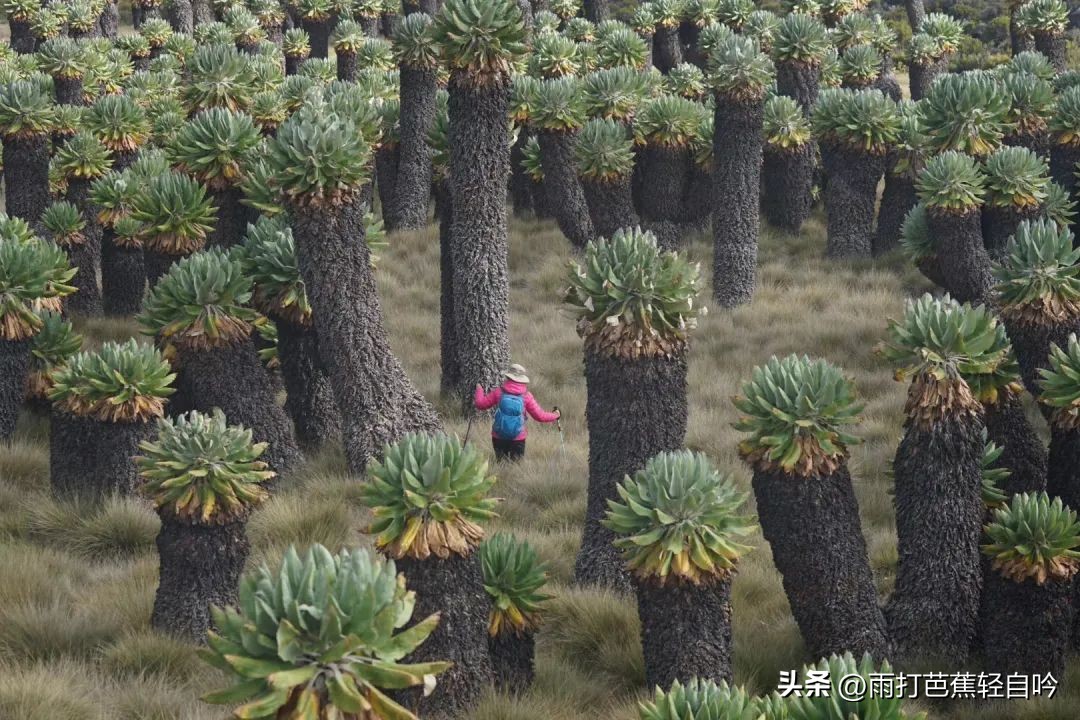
512, 402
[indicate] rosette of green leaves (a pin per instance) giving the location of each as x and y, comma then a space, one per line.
82, 157
270, 259
21, 10
202, 471
245, 27
801, 39
201, 303
1034, 538
1050, 17
992, 474
295, 43
427, 495
53, 345
604, 151
1059, 207
220, 77
739, 71
113, 194
481, 39
156, 31
860, 65
734, 13
631, 299
946, 30
553, 56
545, 21
580, 30
668, 121
678, 520
711, 37
911, 150
321, 635
65, 224
830, 69
33, 274
120, 383
68, 120
1031, 62
522, 95
1039, 278
852, 30
643, 20
1061, 384
62, 58
701, 12
864, 120
614, 94
118, 122
796, 410
530, 160
414, 42
374, 53
966, 112
82, 15
1031, 103
622, 47
212, 146
268, 111
270, 13
176, 213
15, 229
26, 110
47, 23
513, 578
181, 46
837, 704
127, 233
566, 9
952, 183
702, 700
557, 105
258, 187
686, 80
1065, 122
1016, 178
266, 73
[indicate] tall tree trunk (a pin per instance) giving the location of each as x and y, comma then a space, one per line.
512, 658
200, 566
14, 368
999, 224
934, 609
665, 171
1031, 343
413, 190
921, 77
69, 91
292, 64
799, 81
346, 66
93, 459
378, 403
737, 158
451, 372
916, 13
386, 168
611, 206
962, 256
180, 16
635, 408
839, 614
1023, 452
788, 182
1053, 46
22, 38
86, 256
319, 35
26, 176
565, 198
1026, 627
1063, 474
1019, 40
897, 200
597, 11
479, 166
667, 52
309, 397
851, 180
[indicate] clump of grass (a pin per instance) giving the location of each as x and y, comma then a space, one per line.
36, 575
54, 691
49, 631
25, 465
150, 653
118, 528
298, 520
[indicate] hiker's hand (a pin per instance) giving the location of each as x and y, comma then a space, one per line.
479, 388
558, 412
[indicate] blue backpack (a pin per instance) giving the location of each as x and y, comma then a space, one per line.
509, 417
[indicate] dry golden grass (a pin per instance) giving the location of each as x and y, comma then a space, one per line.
76, 585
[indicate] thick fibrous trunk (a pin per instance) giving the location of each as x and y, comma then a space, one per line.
413, 190
512, 658
1031, 343
370, 25
1063, 160
539, 199
377, 401
179, 13
123, 278
26, 176
566, 199
1023, 451
14, 367
231, 221
199, 567
346, 66
318, 36
93, 459
667, 52
697, 199
202, 12
685, 631
597, 10
87, 255
386, 171
611, 206
799, 81
889, 85
1063, 474
232, 378
964, 263
22, 38
851, 180
453, 587
109, 22
840, 615
1026, 626
916, 11
479, 166
939, 511
788, 181
309, 397
737, 153
635, 409
999, 224
451, 373
69, 443
921, 77
1037, 142
1052, 45
69, 91
292, 64
897, 200
665, 171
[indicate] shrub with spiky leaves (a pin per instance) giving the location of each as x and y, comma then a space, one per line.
221, 76
701, 700
1038, 281
1059, 207
53, 345
835, 704
604, 151
678, 520
762, 26
246, 29
557, 105
65, 224
270, 259
82, 15
118, 122
212, 146
801, 39
967, 113
795, 410
784, 123
530, 160
860, 65
176, 213
711, 37
686, 81
1031, 103
113, 194
621, 48
34, 274
668, 121
992, 474
1043, 16
522, 97
427, 495
414, 42
553, 56
26, 110
201, 303
1061, 384
481, 39
631, 299
739, 70
513, 577
952, 183
1034, 538
62, 58
15, 229
126, 382
1065, 122
864, 120
614, 94
320, 636
1016, 177
1031, 62
852, 30
946, 30
21, 10
296, 43
201, 470
82, 157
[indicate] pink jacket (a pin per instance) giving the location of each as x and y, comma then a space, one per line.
486, 401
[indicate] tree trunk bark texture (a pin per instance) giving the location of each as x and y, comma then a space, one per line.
413, 190
309, 397
14, 367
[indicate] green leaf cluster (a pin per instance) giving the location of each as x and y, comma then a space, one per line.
82, 157
1061, 384
175, 212
1038, 281
295, 43
614, 94
1034, 538
118, 122
703, 700
621, 48
832, 705
212, 146
967, 113
784, 124
1031, 103
1050, 17
801, 39
687, 81
668, 121
34, 275
513, 578
62, 58
270, 259
604, 151
557, 105
414, 42
1016, 177
55, 343
553, 56
26, 110
739, 70
481, 38
221, 77
864, 120
120, 383
860, 65
952, 183
65, 223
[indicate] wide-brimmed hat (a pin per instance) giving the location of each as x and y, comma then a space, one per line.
517, 373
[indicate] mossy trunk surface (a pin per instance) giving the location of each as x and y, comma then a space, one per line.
26, 176
565, 197
1037, 142
22, 38
123, 278
513, 660
1031, 343
1023, 452
611, 205
539, 199
1053, 46
378, 402
897, 200
450, 371
69, 91
71, 454
597, 11
202, 12
232, 378
309, 397
889, 85
346, 66
199, 566
962, 257
479, 167
666, 50
788, 183
180, 15
851, 180
86, 256
737, 158
14, 368
1025, 626
453, 587
934, 609
231, 223
319, 37
635, 408
93, 459
921, 77
999, 224
1063, 475
697, 207
665, 171
413, 191
386, 170
799, 81
685, 631
813, 528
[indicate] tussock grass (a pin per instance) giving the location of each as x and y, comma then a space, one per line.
118, 528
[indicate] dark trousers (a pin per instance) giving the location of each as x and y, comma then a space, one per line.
512, 450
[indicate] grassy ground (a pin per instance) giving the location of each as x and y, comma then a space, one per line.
77, 583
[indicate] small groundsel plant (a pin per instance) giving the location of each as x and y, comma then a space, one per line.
126, 382
1061, 384
837, 704
701, 700
678, 520
269, 258
1034, 538
321, 636
1038, 281
785, 125
34, 275
992, 474
55, 343
796, 411
428, 495
513, 578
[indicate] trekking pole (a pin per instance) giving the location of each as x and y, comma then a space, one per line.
558, 425
468, 429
